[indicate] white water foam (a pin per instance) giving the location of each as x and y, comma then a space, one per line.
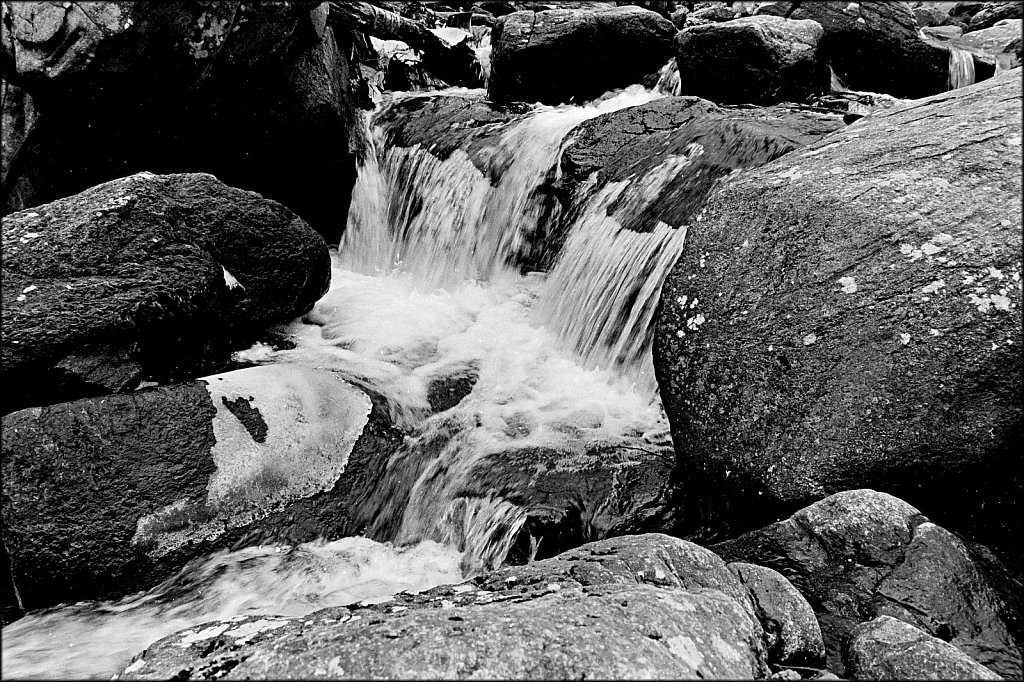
95, 640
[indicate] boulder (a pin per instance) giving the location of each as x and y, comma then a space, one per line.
861, 554
566, 55
791, 631
710, 15
104, 496
1001, 42
932, 16
889, 649
849, 316
753, 60
993, 13
643, 606
701, 142
874, 46
256, 94
149, 276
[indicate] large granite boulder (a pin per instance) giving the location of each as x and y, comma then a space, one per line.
849, 316
752, 60
567, 55
150, 277
257, 94
889, 649
861, 554
104, 496
994, 12
646, 606
873, 46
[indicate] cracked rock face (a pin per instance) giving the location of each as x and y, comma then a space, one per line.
146, 277
860, 322
861, 554
103, 496
646, 606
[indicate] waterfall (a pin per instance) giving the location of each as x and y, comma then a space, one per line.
961, 68
669, 81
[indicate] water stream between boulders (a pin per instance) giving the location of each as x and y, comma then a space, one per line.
424, 285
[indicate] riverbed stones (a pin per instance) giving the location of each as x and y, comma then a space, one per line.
639, 606
861, 554
257, 94
873, 46
149, 276
574, 55
849, 316
752, 60
105, 495
886, 648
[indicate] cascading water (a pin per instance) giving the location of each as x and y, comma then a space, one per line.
425, 289
961, 68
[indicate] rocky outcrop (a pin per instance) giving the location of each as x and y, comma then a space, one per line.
873, 46
148, 276
567, 55
861, 554
994, 12
753, 60
849, 316
103, 496
256, 94
889, 649
699, 141
643, 606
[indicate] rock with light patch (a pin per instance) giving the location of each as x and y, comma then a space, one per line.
102, 496
148, 276
857, 390
861, 554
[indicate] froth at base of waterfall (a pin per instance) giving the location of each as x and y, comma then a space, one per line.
97, 639
961, 68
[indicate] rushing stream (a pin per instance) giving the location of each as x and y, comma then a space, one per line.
422, 288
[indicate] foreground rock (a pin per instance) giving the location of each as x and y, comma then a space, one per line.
849, 316
567, 55
146, 277
889, 649
104, 496
873, 46
645, 606
257, 94
861, 554
753, 60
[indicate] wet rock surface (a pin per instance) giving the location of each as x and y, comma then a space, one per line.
861, 554
707, 141
849, 316
259, 95
565, 55
148, 276
102, 496
644, 605
752, 60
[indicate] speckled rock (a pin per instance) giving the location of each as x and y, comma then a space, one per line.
791, 630
860, 554
146, 277
753, 60
873, 46
889, 649
102, 496
646, 606
849, 316
564, 55
994, 12
258, 94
